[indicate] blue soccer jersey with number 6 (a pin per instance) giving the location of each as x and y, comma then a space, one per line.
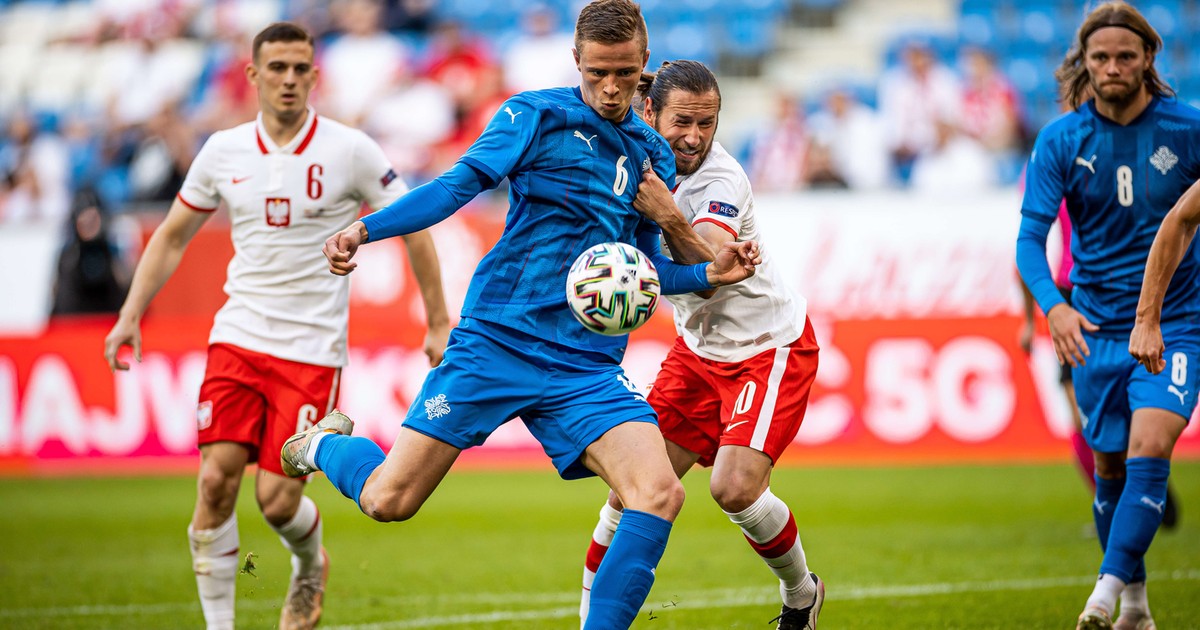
1118, 182
572, 176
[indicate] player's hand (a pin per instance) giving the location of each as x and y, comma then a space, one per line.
340, 248
435, 343
736, 261
654, 199
1146, 345
126, 332
1066, 329
1025, 337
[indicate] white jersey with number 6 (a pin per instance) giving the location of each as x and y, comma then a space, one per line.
283, 203
746, 318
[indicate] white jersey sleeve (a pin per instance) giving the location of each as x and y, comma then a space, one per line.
374, 177
199, 190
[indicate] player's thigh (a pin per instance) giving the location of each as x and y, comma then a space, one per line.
767, 396
687, 403
631, 458
1174, 389
298, 395
581, 405
231, 406
481, 383
1102, 393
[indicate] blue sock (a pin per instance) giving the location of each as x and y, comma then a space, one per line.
1108, 495
627, 573
348, 461
1136, 519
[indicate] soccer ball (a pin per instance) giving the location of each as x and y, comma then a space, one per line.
612, 288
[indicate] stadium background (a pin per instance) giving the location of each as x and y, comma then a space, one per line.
913, 290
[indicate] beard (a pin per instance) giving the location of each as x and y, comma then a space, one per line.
1118, 94
683, 170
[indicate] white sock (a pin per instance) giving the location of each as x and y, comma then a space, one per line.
1134, 597
602, 536
310, 450
770, 526
1104, 596
215, 562
302, 537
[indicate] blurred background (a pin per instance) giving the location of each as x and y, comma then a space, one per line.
885, 141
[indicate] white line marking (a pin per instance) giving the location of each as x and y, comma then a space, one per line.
691, 600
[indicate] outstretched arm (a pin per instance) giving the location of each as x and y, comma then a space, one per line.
424, 259
419, 209
1170, 244
163, 253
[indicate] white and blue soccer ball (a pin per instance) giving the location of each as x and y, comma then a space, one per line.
612, 288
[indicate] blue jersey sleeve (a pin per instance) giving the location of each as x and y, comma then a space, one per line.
427, 204
673, 278
1044, 188
504, 142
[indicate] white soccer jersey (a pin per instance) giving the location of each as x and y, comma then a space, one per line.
746, 318
283, 203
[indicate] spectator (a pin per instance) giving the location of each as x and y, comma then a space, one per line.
459, 62
410, 16
359, 66
409, 120
913, 98
34, 172
992, 111
93, 276
778, 152
956, 165
535, 59
851, 135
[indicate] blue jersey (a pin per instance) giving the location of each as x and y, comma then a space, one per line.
1118, 182
572, 179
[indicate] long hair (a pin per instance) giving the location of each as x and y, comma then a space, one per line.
690, 76
611, 22
1074, 85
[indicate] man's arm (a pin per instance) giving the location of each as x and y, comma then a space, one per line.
159, 261
424, 259
1170, 244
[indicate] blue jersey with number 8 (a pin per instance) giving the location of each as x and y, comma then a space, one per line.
1118, 182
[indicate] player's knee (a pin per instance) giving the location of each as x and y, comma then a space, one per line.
387, 506
734, 497
662, 497
216, 489
1151, 446
278, 510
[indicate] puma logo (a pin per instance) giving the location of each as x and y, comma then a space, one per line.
1158, 507
579, 134
1175, 390
1087, 163
1099, 505
513, 115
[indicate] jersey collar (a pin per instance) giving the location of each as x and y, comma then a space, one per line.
298, 143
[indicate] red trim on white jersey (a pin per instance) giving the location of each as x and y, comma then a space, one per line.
261, 146
308, 137
718, 223
179, 196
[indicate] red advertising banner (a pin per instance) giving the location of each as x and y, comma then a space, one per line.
916, 310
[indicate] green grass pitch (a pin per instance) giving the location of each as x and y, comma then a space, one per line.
947, 547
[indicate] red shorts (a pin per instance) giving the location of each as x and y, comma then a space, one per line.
703, 405
260, 401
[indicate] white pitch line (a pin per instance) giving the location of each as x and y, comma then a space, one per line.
690, 600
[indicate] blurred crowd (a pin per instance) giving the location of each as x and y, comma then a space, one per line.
929, 126
105, 103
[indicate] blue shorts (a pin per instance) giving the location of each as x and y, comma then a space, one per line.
491, 374
1112, 385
